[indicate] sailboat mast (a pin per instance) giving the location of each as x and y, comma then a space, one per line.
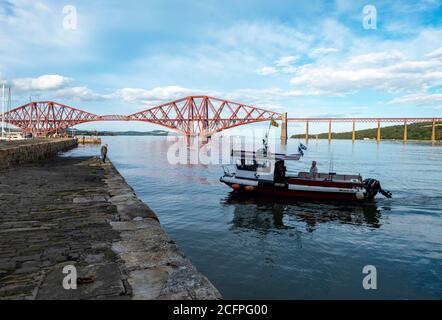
3, 110
9, 111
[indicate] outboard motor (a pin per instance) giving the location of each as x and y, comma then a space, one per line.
373, 187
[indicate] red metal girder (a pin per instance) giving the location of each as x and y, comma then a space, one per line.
399, 120
189, 115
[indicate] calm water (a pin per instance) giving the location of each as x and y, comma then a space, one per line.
271, 249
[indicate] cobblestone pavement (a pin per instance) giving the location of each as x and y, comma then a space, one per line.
78, 211
56, 214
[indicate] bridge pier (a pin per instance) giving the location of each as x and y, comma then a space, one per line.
405, 131
306, 132
329, 131
379, 132
433, 131
284, 128
353, 135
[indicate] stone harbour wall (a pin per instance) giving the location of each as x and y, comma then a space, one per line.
154, 265
19, 152
78, 211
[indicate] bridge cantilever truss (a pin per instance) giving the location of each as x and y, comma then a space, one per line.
202, 114
191, 116
46, 117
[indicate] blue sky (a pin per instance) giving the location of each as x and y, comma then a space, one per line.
309, 58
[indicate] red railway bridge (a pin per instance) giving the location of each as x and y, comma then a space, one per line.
190, 116
193, 115
404, 121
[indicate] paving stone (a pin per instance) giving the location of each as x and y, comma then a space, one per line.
70, 213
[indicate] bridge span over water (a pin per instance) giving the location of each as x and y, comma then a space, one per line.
193, 115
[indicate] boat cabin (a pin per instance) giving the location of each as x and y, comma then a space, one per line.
271, 167
266, 173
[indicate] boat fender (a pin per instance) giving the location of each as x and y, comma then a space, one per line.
360, 195
236, 186
249, 188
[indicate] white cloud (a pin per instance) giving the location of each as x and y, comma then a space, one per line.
264, 39
420, 99
32, 31
81, 94
231, 52
359, 108
284, 64
42, 83
323, 51
334, 34
264, 71
55, 87
156, 95
268, 98
286, 61
384, 71
436, 54
378, 57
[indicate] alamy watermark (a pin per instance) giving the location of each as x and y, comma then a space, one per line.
70, 19
218, 149
370, 281
70, 280
370, 17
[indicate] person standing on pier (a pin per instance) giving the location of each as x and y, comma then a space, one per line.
104, 152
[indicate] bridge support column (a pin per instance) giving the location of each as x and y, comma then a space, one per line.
433, 131
284, 128
329, 131
379, 132
306, 132
405, 131
353, 135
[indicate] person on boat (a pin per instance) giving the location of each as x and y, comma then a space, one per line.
314, 170
104, 152
280, 172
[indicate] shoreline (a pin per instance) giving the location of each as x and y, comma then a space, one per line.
149, 253
78, 211
374, 140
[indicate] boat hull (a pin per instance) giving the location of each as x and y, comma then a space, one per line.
307, 194
301, 191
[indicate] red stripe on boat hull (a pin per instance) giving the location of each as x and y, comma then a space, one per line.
312, 195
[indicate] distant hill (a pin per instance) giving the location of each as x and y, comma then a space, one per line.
416, 131
120, 133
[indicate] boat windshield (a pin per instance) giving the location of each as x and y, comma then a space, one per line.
253, 165
246, 164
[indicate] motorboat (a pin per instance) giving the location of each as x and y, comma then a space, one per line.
263, 172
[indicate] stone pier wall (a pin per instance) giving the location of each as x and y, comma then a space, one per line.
80, 212
18, 152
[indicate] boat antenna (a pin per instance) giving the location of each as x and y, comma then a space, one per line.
331, 164
330, 170
265, 141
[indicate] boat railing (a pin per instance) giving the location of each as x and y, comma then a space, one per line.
229, 170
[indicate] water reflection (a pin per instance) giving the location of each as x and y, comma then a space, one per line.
295, 249
267, 214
